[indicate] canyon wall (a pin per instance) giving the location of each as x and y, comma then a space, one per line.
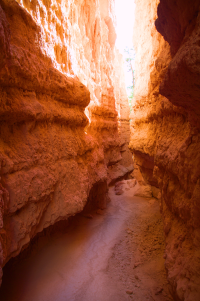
57, 65
165, 129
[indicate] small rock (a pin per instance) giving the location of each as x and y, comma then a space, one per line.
88, 216
100, 212
131, 183
119, 192
129, 292
158, 290
118, 185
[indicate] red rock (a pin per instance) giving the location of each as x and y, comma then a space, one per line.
158, 290
51, 153
100, 212
119, 191
90, 216
165, 129
55, 159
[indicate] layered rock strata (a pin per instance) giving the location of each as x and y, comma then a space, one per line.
56, 64
165, 131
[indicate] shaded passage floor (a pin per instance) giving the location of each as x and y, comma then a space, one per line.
115, 256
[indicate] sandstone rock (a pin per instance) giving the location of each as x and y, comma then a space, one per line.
143, 191
158, 290
57, 66
89, 216
165, 137
119, 184
100, 212
155, 192
119, 191
119, 187
131, 183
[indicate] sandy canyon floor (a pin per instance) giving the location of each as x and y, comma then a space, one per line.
115, 255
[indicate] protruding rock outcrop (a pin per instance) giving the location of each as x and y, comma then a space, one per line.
57, 57
165, 135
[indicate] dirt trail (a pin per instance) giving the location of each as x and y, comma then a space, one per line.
115, 256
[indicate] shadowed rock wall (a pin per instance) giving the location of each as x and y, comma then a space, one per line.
56, 64
165, 131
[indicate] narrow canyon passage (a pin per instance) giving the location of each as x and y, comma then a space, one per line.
69, 131
116, 255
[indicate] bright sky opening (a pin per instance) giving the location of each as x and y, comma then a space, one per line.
125, 13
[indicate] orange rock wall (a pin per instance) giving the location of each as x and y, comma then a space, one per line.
56, 66
165, 129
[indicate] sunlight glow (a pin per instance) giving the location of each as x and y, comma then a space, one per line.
125, 13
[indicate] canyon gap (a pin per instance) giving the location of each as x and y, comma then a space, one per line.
59, 62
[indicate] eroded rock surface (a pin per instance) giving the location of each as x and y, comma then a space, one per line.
57, 62
165, 136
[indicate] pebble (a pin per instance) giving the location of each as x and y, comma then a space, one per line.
158, 290
100, 212
90, 216
129, 292
119, 192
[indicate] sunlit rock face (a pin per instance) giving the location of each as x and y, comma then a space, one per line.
149, 106
165, 135
57, 61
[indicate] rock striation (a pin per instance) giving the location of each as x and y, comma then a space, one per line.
165, 129
57, 65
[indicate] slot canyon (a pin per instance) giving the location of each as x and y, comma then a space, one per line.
98, 203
